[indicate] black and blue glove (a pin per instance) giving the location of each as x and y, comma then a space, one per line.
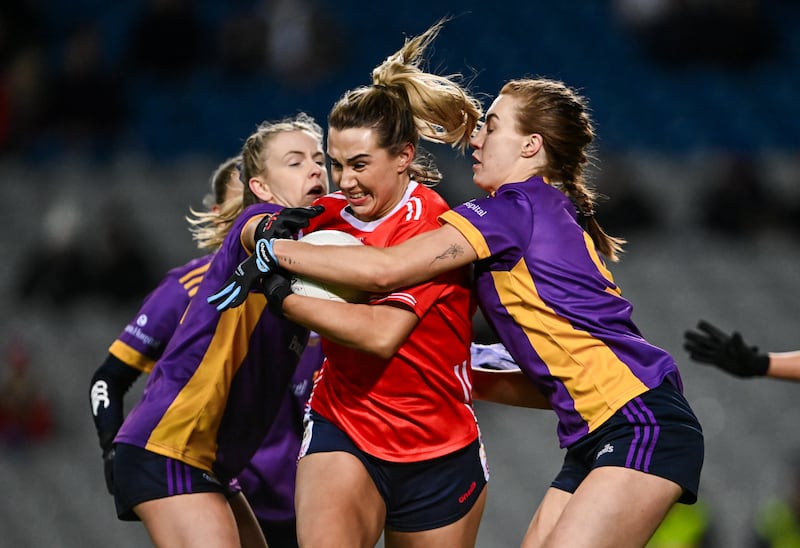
283, 224
246, 277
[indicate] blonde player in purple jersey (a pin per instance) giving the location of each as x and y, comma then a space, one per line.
267, 481
633, 445
216, 391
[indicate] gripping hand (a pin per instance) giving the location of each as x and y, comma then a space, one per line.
728, 352
246, 277
283, 224
286, 222
276, 286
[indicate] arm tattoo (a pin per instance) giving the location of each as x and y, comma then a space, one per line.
451, 252
282, 260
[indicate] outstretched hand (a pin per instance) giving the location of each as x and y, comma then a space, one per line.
728, 352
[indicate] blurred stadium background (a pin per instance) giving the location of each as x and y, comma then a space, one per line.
114, 114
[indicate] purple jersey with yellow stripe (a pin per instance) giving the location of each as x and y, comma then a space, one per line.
555, 306
143, 340
213, 394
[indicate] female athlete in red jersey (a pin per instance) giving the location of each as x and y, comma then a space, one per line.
391, 442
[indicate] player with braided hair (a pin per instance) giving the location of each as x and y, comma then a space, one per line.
633, 444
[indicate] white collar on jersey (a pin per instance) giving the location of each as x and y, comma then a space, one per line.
369, 226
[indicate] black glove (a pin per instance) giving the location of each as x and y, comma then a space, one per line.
283, 224
728, 352
107, 444
286, 222
276, 286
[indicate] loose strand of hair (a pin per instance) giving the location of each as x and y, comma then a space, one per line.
209, 229
443, 111
584, 198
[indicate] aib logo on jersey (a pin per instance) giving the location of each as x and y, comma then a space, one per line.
141, 321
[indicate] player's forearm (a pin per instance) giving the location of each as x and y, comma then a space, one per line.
784, 365
378, 269
344, 324
368, 268
508, 388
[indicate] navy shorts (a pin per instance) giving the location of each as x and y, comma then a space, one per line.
656, 433
141, 475
419, 495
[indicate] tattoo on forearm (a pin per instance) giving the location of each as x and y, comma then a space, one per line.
451, 252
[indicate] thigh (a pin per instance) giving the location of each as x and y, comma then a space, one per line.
336, 501
187, 521
546, 516
462, 533
613, 507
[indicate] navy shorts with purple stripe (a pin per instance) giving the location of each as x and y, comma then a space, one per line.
141, 475
656, 433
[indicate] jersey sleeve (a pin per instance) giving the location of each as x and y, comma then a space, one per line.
485, 222
419, 298
143, 339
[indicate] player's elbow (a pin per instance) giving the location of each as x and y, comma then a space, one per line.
384, 347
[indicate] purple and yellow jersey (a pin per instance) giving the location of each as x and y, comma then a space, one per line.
213, 394
268, 481
143, 340
552, 302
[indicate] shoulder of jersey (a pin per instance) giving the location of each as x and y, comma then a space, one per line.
432, 198
333, 204
333, 199
193, 264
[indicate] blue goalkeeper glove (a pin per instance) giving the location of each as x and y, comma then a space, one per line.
252, 270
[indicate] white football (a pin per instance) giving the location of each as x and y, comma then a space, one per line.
321, 290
